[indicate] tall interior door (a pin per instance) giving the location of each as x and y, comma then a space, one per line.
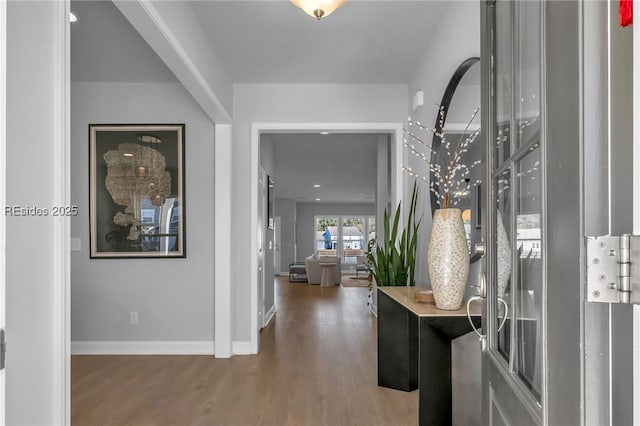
277, 262
531, 222
261, 237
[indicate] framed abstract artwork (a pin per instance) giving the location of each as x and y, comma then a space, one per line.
136, 191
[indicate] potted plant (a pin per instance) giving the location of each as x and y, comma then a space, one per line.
392, 257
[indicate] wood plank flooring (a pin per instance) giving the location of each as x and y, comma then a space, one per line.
317, 366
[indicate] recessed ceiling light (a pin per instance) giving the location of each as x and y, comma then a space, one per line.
316, 185
324, 133
317, 199
72, 17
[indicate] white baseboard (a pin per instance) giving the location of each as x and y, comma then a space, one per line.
151, 347
269, 316
241, 348
142, 347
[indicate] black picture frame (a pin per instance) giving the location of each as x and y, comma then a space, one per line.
137, 191
270, 202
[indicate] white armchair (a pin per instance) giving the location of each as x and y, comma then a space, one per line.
314, 270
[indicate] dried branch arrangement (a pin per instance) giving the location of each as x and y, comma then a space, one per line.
451, 175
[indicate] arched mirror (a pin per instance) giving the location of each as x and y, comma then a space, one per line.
458, 125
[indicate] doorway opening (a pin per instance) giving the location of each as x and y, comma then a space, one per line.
297, 243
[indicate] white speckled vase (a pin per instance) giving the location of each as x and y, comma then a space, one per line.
448, 259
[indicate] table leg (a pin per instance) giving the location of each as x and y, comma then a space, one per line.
435, 377
435, 336
397, 345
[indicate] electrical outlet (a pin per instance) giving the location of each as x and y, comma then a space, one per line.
133, 318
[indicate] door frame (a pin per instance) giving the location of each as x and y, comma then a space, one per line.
636, 210
59, 75
397, 186
3, 180
62, 227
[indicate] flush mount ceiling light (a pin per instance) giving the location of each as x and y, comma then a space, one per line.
319, 8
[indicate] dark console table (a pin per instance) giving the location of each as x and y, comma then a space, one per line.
414, 349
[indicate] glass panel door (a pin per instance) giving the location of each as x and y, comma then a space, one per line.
502, 261
353, 239
528, 270
326, 235
343, 236
515, 237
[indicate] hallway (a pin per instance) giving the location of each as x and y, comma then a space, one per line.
317, 366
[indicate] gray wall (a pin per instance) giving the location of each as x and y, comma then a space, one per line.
450, 45
291, 103
174, 297
306, 213
286, 209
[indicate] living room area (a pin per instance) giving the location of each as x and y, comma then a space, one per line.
324, 191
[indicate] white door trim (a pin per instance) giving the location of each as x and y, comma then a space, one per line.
636, 209
3, 183
62, 231
395, 129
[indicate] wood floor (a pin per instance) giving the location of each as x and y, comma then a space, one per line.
317, 366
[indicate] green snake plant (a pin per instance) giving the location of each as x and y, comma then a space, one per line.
393, 261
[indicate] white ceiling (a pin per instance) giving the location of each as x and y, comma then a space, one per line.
362, 42
343, 164
267, 41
